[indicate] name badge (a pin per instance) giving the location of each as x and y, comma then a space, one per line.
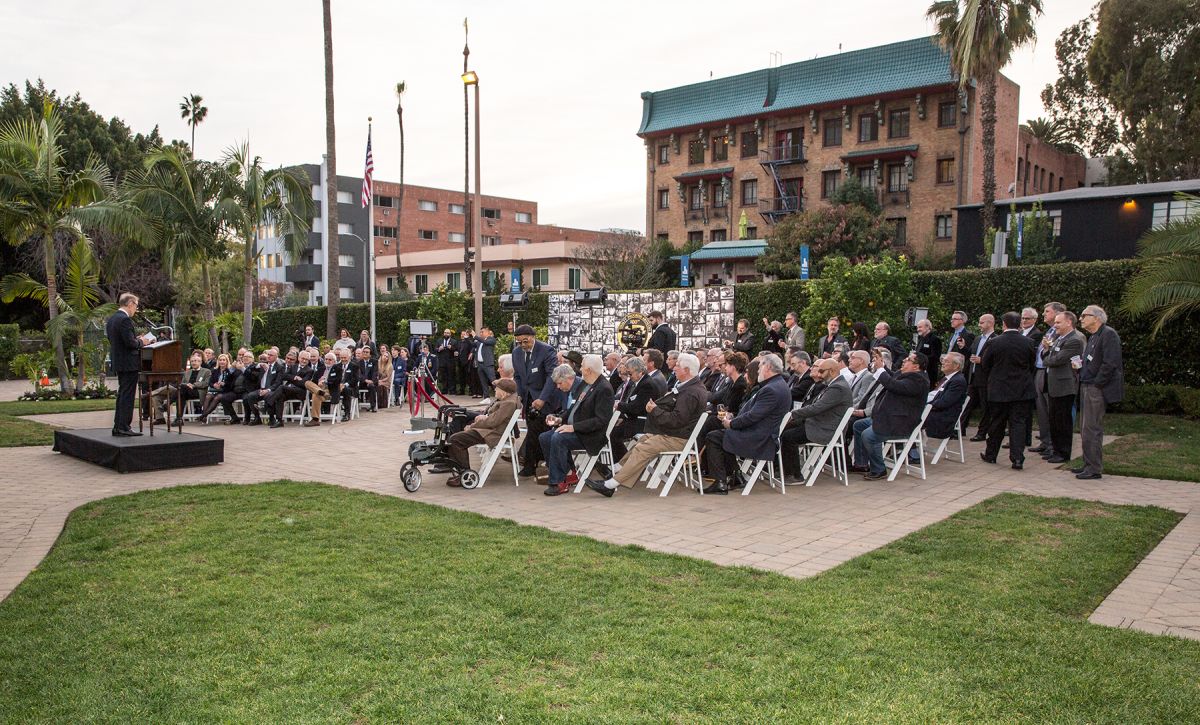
633, 397
533, 370
1089, 357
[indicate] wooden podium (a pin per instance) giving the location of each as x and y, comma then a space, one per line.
162, 362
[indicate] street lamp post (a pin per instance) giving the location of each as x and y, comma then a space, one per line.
471, 78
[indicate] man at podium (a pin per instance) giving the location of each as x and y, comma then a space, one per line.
126, 361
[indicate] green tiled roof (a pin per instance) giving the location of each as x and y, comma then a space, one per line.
909, 64
732, 249
706, 172
881, 152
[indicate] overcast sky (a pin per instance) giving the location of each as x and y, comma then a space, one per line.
560, 80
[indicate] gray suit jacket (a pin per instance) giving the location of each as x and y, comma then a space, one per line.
1061, 378
821, 416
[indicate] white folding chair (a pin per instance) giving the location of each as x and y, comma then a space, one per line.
604, 455
815, 457
753, 468
492, 455
895, 450
191, 409
685, 460
955, 434
295, 411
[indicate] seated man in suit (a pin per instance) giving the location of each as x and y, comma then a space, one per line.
816, 421
294, 387
947, 397
268, 379
896, 413
754, 432
642, 389
318, 387
273, 402
669, 423
486, 428
192, 386
583, 424
246, 381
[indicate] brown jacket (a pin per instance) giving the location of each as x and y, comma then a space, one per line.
491, 426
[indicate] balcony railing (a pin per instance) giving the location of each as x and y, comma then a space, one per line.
894, 198
778, 207
792, 153
302, 273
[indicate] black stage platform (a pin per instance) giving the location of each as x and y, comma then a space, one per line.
143, 453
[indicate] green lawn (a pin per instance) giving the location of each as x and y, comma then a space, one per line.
1152, 446
300, 602
20, 432
44, 407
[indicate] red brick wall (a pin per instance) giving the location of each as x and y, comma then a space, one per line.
1043, 161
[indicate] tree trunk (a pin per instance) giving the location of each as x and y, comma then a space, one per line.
333, 248
221, 308
80, 371
987, 214
206, 280
248, 274
469, 215
60, 359
400, 204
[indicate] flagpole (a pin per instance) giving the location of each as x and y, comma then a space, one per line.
370, 256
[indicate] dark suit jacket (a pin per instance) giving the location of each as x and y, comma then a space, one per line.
678, 410
820, 418
125, 345
662, 339
533, 380
900, 403
633, 407
446, 347
745, 343
825, 345
1034, 334
946, 407
246, 380
1061, 378
273, 376
592, 411
1008, 364
614, 378
977, 378
893, 345
931, 347
1102, 365
965, 335
800, 385
310, 341
754, 431
485, 352
297, 376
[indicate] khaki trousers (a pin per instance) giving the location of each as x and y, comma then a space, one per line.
317, 396
643, 454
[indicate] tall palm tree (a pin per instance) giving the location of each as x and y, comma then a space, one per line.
400, 88
194, 112
333, 250
79, 306
1053, 133
42, 201
981, 36
1168, 283
183, 196
254, 197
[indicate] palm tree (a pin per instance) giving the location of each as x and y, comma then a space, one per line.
400, 88
194, 112
1168, 283
43, 201
79, 307
253, 197
184, 197
333, 251
980, 36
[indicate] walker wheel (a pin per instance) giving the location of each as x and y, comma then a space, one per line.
468, 478
410, 476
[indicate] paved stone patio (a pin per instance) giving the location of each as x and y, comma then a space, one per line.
805, 532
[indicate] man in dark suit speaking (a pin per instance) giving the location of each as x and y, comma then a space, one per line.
126, 361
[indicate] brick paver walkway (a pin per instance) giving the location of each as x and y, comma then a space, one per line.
802, 533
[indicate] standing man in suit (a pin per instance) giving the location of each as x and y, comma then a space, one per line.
1008, 364
817, 421
533, 365
662, 338
468, 377
447, 350
485, 359
1029, 318
754, 432
960, 339
584, 424
977, 377
929, 345
309, 338
1061, 380
1101, 383
795, 333
125, 351
1042, 402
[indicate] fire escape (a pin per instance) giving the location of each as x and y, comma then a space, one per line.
788, 198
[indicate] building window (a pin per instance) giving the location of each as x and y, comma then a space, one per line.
749, 192
695, 237
391, 283
278, 259
720, 148
427, 234
901, 239
720, 196
719, 235
749, 144
346, 293
541, 278
1172, 212
1060, 183
574, 278
663, 237
695, 152
491, 241
457, 237
946, 114
316, 192
390, 232
522, 241
833, 132
425, 205
1051, 186
664, 198
345, 260
454, 280
943, 226
421, 283
898, 123
383, 201
344, 228
694, 200
664, 154
458, 209
867, 176
1035, 177
524, 217
751, 232
897, 177
868, 129
830, 181
491, 213
345, 197
1020, 169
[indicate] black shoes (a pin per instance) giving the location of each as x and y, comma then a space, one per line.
276, 424
717, 489
875, 476
1056, 459
1038, 449
527, 473
984, 457
1076, 470
441, 469
1088, 476
599, 487
1018, 466
125, 433
978, 438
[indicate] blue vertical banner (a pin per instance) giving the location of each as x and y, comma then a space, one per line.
803, 261
514, 284
685, 271
1020, 234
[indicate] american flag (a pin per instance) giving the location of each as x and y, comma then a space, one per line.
367, 172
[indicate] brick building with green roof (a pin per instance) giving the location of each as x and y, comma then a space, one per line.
779, 140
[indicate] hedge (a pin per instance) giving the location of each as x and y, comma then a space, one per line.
9, 336
1170, 359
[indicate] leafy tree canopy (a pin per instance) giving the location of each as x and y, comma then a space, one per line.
852, 192
851, 231
625, 261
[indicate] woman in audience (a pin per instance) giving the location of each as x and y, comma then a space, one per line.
862, 340
220, 384
384, 389
399, 373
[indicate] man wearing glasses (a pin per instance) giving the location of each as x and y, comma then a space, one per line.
1101, 383
126, 361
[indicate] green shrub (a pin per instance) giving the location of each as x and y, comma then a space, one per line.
9, 336
1151, 399
1189, 402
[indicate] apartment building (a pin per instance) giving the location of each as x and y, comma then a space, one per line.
775, 141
